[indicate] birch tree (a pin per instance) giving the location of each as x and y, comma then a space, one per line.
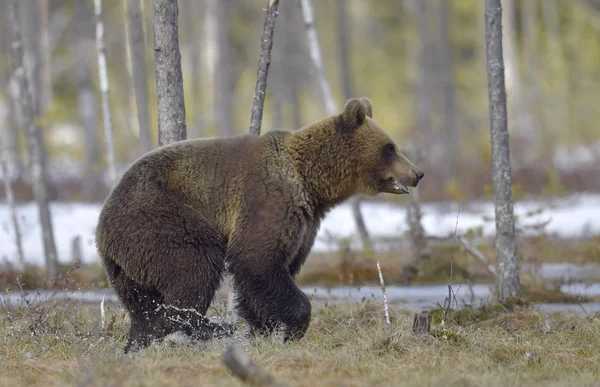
169, 78
139, 72
86, 99
10, 199
35, 144
103, 74
506, 244
331, 107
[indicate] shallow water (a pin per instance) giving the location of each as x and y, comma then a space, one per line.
421, 297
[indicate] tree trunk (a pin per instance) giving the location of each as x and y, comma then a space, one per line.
35, 144
169, 79
9, 134
10, 199
344, 36
308, 14
86, 98
103, 74
45, 74
260, 90
506, 244
418, 56
449, 123
139, 72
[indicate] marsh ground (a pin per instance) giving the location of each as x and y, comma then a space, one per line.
58, 343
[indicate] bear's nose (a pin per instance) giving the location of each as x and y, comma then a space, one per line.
420, 175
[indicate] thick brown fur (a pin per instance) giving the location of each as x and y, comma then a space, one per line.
182, 211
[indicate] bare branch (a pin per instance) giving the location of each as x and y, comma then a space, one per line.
386, 309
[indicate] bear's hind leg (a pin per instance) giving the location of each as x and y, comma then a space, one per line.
190, 277
141, 303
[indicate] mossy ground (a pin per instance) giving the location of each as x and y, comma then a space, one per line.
64, 344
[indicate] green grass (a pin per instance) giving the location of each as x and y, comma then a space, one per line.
63, 344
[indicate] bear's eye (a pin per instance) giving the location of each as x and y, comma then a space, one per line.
389, 150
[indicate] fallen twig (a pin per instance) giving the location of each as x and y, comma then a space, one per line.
242, 366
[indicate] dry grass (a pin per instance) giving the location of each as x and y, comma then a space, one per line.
63, 344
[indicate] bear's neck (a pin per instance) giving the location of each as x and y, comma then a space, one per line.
323, 162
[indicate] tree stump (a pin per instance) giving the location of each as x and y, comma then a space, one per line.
422, 323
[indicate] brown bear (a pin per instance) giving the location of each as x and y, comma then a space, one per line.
183, 211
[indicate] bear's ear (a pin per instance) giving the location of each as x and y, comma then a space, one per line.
355, 112
368, 106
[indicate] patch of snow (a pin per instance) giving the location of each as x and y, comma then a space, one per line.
574, 216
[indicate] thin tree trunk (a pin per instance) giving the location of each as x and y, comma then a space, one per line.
223, 71
169, 79
257, 108
10, 133
344, 38
417, 56
35, 145
506, 244
420, 252
139, 72
264, 62
10, 199
30, 17
103, 74
449, 122
86, 99
45, 90
308, 14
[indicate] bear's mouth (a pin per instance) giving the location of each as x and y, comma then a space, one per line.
399, 186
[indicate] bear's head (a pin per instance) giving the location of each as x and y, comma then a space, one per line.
379, 166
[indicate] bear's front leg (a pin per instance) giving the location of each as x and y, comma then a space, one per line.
271, 299
259, 257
